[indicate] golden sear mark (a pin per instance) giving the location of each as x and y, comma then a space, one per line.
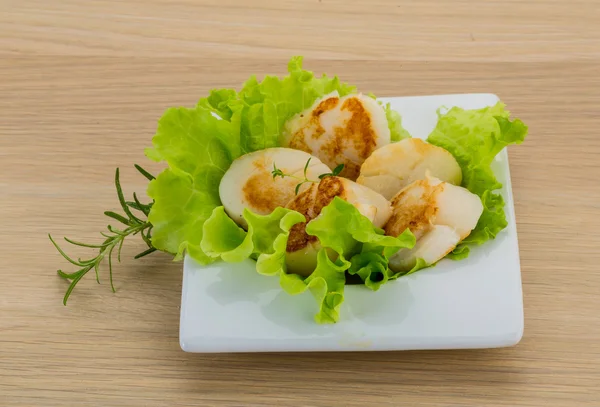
414, 211
298, 140
329, 188
356, 133
298, 238
324, 106
263, 193
310, 203
359, 129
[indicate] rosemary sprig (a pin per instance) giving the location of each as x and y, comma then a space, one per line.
279, 173
114, 238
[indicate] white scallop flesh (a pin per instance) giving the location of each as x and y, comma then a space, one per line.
302, 249
339, 130
438, 213
249, 182
434, 245
394, 166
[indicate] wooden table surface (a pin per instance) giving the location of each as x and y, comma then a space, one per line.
82, 85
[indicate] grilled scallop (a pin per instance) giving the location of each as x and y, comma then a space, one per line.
431, 247
249, 182
301, 256
339, 130
394, 166
438, 213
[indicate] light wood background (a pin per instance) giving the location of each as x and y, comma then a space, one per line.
82, 84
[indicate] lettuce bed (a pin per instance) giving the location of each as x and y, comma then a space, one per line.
200, 143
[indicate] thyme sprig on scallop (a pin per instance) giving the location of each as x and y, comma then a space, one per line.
279, 173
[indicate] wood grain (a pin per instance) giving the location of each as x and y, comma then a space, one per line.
82, 85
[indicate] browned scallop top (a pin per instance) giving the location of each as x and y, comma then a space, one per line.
324, 106
359, 129
310, 203
297, 141
263, 193
355, 133
412, 211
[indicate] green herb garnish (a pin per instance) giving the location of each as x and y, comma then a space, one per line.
279, 173
336, 171
114, 238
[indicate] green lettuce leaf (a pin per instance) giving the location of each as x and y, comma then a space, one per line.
326, 284
199, 148
200, 144
264, 107
371, 267
361, 247
267, 105
269, 235
195, 142
223, 238
397, 132
474, 138
178, 213
491, 222
372, 263
266, 242
219, 101
341, 227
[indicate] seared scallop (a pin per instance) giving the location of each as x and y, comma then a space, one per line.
339, 130
249, 182
431, 247
394, 166
438, 213
302, 248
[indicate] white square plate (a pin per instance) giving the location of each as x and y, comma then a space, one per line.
473, 303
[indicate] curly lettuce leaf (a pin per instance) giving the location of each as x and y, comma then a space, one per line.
199, 148
491, 222
371, 267
374, 271
263, 107
199, 145
270, 103
326, 284
196, 142
474, 138
397, 132
372, 263
178, 213
358, 243
420, 264
394, 119
266, 241
223, 238
258, 112
269, 236
341, 227
218, 102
